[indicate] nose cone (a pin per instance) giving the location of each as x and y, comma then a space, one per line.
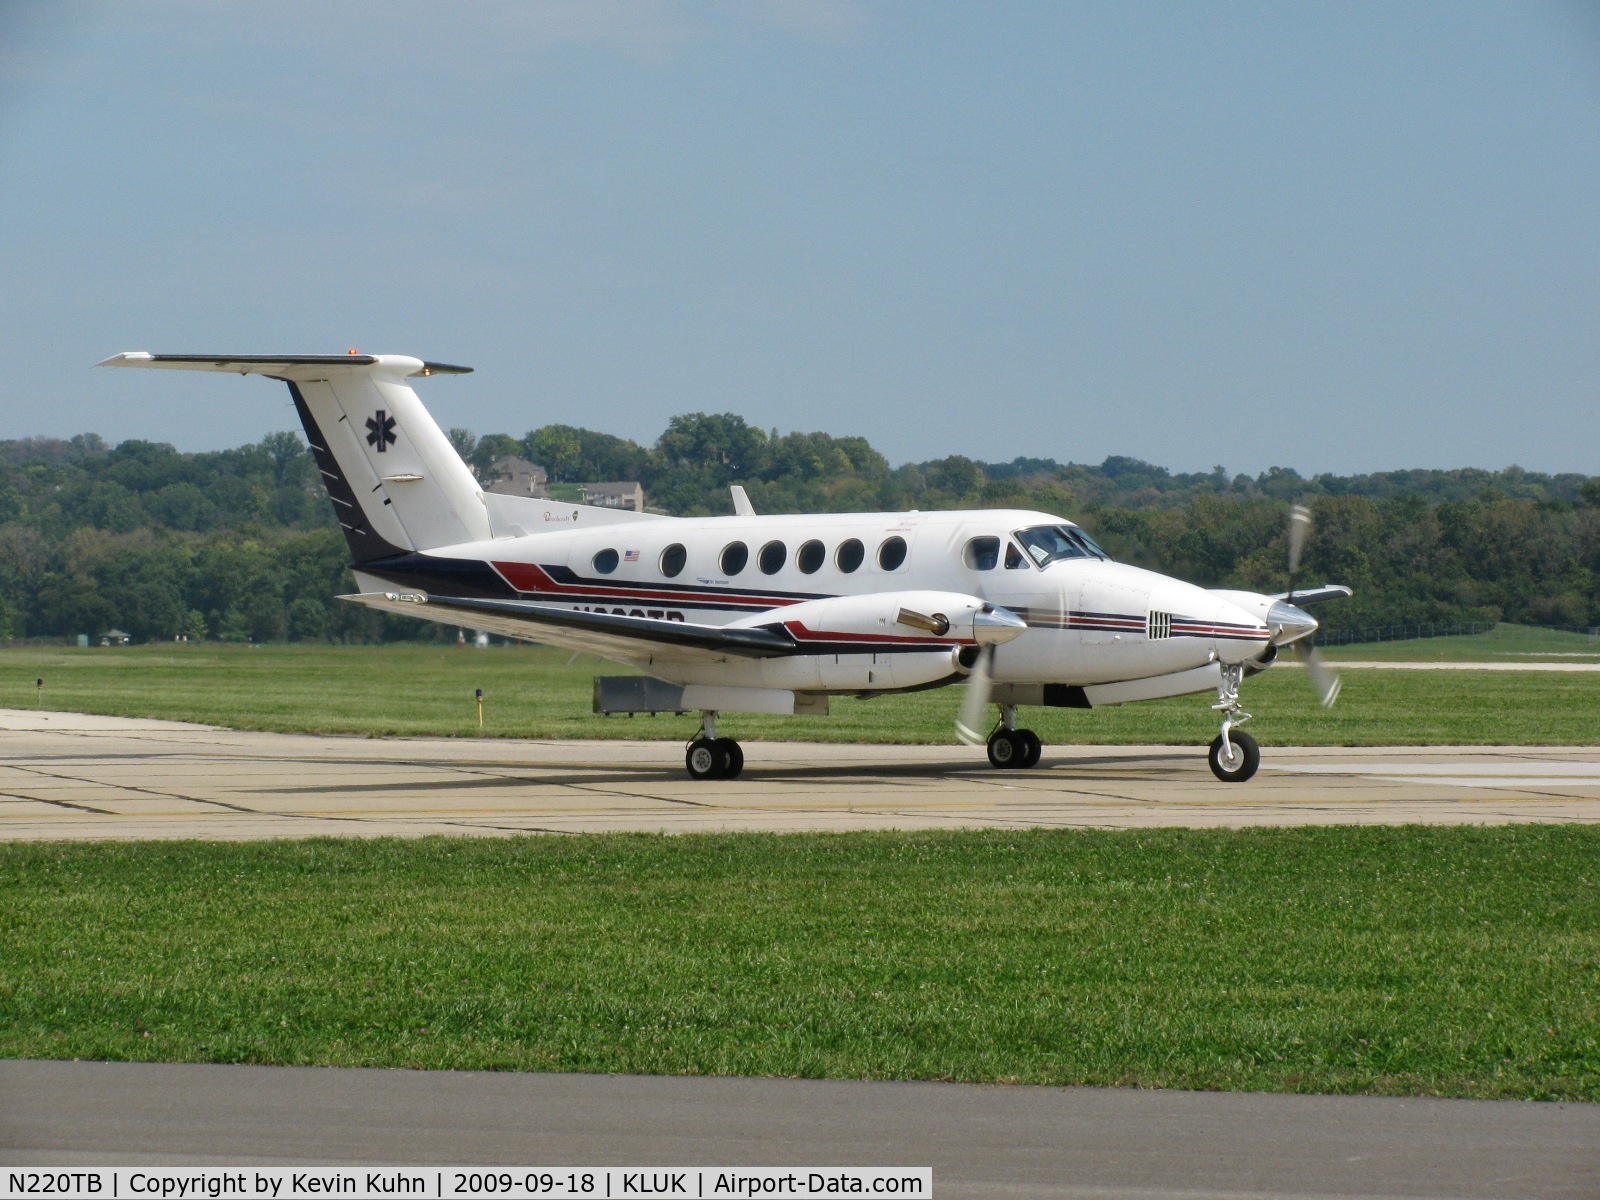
992, 626
1289, 623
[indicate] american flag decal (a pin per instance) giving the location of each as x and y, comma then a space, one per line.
630, 556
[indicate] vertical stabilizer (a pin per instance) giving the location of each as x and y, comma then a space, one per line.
396, 482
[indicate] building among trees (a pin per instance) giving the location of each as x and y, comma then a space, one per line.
629, 495
509, 475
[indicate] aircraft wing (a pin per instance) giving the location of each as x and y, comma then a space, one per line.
606, 634
1316, 595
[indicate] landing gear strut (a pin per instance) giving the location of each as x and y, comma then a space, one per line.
1234, 754
711, 757
1011, 748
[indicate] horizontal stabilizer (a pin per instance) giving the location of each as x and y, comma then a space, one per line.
284, 366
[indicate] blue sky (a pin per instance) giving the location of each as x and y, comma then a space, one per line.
1343, 237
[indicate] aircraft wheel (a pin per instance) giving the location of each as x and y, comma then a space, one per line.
1007, 751
735, 758
1032, 747
707, 758
1246, 758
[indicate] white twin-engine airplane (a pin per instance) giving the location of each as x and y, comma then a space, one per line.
772, 614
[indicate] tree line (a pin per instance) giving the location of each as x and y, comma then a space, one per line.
241, 544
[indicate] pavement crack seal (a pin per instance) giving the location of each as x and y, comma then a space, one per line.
511, 828
88, 808
593, 790
160, 795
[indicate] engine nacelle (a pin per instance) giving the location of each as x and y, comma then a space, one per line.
912, 620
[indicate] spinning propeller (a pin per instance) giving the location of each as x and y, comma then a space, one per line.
1286, 618
990, 627
975, 698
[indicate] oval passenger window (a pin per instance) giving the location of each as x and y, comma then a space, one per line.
849, 555
892, 553
734, 557
809, 557
673, 559
982, 553
605, 562
772, 557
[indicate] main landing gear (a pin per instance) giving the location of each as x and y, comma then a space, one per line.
1010, 748
711, 757
1234, 754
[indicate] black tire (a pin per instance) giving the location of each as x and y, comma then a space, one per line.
1247, 757
735, 758
1007, 751
1032, 748
706, 758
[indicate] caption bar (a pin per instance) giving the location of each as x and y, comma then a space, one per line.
517, 1183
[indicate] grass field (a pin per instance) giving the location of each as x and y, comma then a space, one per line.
535, 692
1442, 961
1506, 643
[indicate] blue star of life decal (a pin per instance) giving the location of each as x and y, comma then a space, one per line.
380, 431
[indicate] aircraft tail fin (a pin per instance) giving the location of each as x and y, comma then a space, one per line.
396, 482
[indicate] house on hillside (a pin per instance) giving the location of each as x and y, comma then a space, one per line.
629, 495
509, 475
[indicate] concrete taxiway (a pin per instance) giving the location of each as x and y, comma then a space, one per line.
1109, 1144
68, 776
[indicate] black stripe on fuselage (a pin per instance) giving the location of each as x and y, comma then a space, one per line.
365, 542
469, 577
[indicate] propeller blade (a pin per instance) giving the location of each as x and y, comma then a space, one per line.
1324, 681
975, 700
1299, 526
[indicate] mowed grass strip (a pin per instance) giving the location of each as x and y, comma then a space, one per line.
1438, 961
1505, 642
537, 692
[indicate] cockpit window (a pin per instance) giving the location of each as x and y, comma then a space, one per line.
1092, 546
1046, 544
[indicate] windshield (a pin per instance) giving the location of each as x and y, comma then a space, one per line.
1046, 544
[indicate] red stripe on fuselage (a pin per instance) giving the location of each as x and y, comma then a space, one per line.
531, 579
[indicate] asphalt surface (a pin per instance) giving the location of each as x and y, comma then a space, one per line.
67, 776
979, 1140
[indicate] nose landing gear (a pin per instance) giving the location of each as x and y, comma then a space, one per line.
1234, 755
711, 757
1011, 748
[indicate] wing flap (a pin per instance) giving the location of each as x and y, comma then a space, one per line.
609, 634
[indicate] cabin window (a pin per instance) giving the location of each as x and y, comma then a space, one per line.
892, 553
673, 559
606, 561
982, 553
1014, 558
810, 556
849, 555
772, 557
734, 557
